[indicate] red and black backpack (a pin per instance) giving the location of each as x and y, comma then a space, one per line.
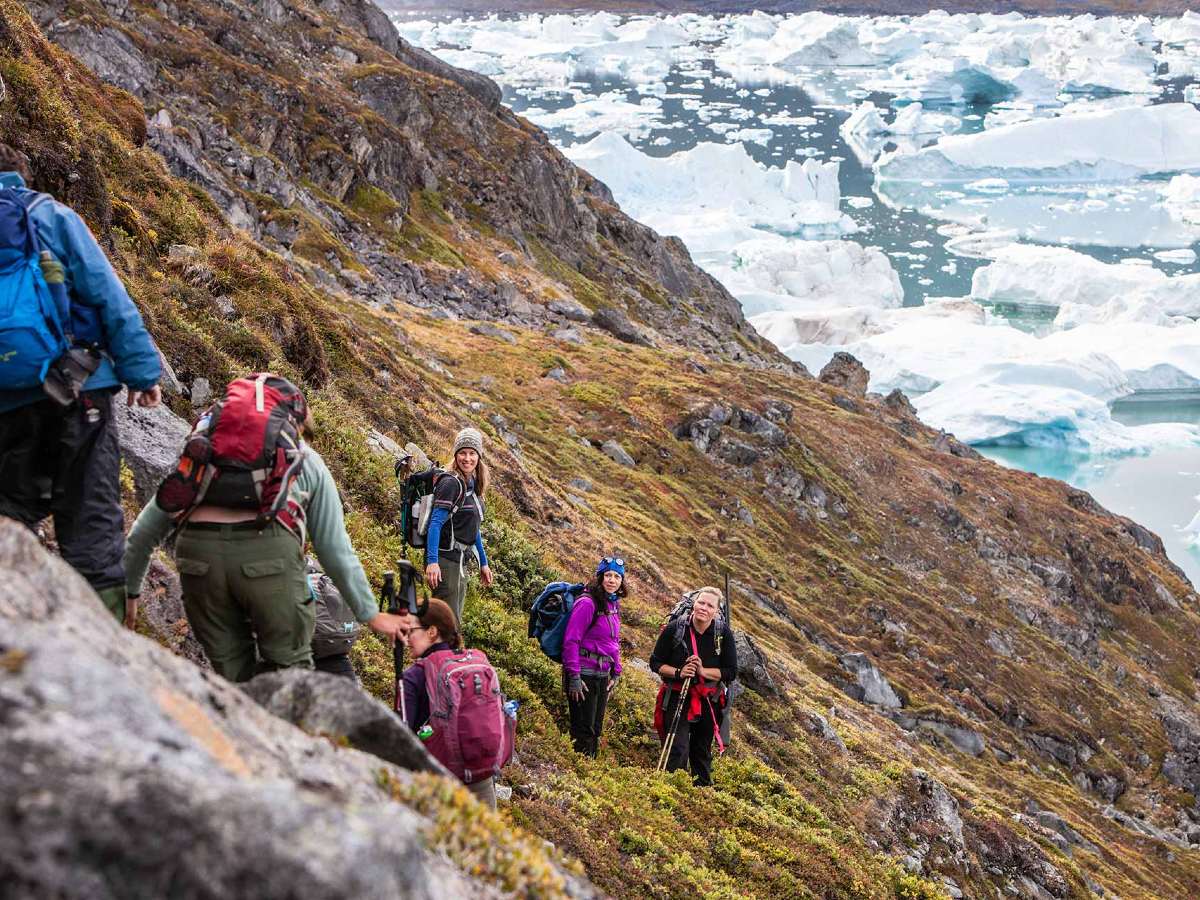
244, 452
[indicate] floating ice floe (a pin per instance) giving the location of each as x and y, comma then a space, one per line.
1046, 403
866, 132
1113, 145
714, 195
788, 276
609, 113
1051, 276
1181, 197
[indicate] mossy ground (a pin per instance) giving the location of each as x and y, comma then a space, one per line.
790, 815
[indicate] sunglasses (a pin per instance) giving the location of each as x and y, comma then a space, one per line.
613, 559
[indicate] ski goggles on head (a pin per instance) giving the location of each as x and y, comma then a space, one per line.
611, 564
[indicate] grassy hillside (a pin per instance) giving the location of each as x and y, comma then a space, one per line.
1011, 615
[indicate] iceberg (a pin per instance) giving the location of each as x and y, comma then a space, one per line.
716, 189
1112, 145
790, 330
1051, 276
936, 81
866, 132
790, 275
1181, 197
1057, 404
1152, 356
1192, 530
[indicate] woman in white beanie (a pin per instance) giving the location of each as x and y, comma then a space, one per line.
454, 528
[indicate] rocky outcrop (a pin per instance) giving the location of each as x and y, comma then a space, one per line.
150, 443
331, 704
847, 373
870, 685
129, 772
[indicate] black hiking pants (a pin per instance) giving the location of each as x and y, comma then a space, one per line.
693, 741
67, 463
336, 664
587, 715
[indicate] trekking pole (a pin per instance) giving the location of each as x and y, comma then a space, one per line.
727, 609
389, 602
670, 741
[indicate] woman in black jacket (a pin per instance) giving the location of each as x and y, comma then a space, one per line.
697, 649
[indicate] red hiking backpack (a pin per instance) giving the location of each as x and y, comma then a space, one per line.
473, 735
244, 452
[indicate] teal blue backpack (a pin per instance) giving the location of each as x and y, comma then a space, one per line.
34, 319
549, 616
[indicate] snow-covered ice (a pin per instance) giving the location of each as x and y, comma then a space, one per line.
1051, 276
714, 191
1111, 145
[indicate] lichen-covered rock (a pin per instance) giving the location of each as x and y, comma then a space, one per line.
873, 687
150, 443
617, 453
752, 665
847, 373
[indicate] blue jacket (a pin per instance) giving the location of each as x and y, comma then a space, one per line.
101, 310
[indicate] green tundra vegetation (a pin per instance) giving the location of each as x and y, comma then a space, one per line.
819, 794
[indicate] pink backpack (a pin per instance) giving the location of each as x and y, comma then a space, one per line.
472, 734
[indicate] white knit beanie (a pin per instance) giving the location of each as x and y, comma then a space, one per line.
469, 439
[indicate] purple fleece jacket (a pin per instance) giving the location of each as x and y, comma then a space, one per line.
601, 637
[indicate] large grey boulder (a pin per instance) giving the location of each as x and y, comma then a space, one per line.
321, 703
872, 686
846, 372
150, 443
129, 772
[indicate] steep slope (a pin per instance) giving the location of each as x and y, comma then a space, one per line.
962, 672
383, 172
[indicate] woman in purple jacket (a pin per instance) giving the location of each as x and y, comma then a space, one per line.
592, 653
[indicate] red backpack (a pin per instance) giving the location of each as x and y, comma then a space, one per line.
473, 733
244, 453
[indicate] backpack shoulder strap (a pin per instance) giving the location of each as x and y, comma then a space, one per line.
33, 200
462, 492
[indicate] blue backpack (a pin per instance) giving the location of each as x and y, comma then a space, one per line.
549, 616
34, 318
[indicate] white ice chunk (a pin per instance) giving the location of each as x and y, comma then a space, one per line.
1051, 276
1108, 145
713, 189
1184, 256
1054, 404
1181, 197
791, 275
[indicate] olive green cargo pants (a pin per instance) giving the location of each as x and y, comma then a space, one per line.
246, 597
453, 586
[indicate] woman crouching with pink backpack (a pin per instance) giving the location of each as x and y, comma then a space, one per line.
451, 698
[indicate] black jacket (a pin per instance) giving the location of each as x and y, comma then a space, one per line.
674, 646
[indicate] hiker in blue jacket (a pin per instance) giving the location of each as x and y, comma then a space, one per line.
455, 527
64, 460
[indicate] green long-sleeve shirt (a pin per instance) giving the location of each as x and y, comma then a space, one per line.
316, 491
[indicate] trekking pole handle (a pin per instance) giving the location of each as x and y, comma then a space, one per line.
387, 593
